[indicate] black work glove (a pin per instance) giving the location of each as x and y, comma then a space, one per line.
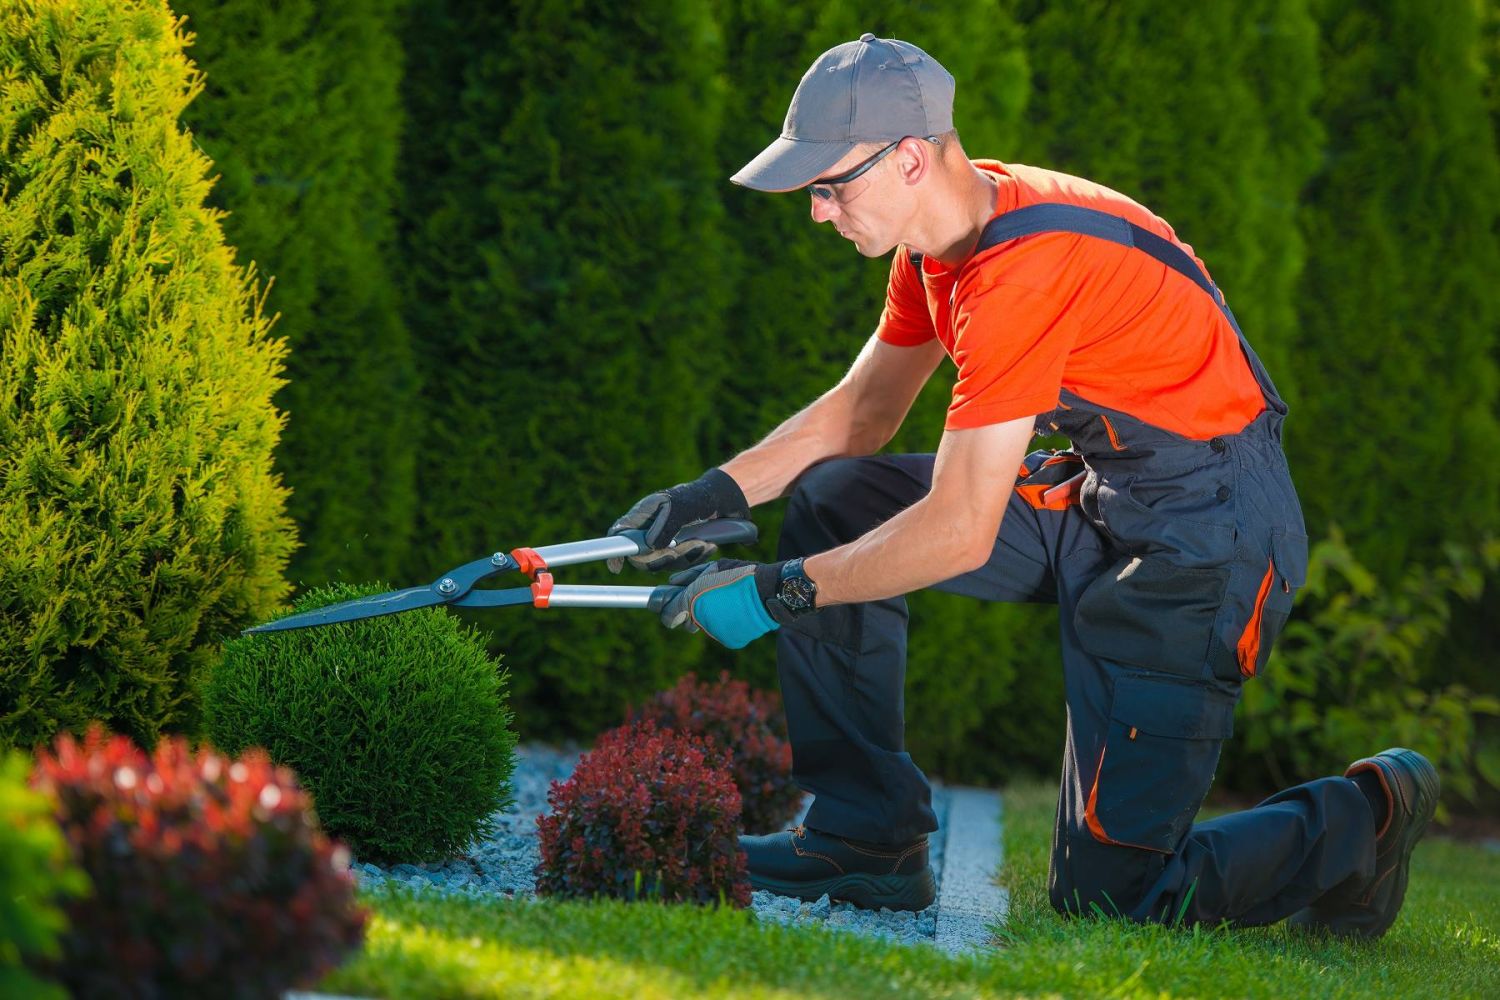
664, 513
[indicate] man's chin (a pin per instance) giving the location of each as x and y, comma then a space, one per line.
868, 248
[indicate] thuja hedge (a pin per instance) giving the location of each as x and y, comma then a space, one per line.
565, 250
139, 517
1398, 303
301, 116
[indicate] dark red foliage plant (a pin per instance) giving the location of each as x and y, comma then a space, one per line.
649, 813
210, 876
751, 727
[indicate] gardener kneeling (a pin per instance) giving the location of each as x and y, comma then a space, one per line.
1169, 534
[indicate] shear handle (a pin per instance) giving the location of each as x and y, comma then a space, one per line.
720, 531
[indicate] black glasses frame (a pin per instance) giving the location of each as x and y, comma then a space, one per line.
823, 189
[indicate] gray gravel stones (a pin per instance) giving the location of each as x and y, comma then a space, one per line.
504, 864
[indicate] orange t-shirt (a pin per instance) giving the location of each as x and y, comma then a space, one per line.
1110, 323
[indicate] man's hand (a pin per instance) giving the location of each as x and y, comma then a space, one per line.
727, 599
666, 512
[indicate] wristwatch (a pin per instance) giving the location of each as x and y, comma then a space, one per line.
796, 593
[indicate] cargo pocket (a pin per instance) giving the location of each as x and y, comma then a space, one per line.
1286, 572
1148, 612
1158, 761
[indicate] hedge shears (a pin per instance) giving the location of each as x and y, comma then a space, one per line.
455, 588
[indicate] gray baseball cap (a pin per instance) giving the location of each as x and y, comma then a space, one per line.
870, 90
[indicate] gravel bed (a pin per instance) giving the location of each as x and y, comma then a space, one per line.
504, 864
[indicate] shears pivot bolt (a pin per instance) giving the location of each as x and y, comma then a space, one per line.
447, 586
499, 559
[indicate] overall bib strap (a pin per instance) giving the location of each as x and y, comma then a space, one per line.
1054, 217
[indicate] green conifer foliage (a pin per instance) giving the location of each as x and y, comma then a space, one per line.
301, 115
140, 520
1202, 114
1473, 633
1399, 299
564, 239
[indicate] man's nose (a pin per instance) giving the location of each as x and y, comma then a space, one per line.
824, 209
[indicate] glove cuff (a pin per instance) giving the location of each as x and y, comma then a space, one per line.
768, 580
724, 493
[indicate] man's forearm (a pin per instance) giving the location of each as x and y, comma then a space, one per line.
923, 545
821, 430
949, 532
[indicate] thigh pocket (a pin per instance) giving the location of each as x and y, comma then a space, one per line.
1286, 571
1158, 761
1148, 612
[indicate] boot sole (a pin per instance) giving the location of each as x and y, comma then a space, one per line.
871, 892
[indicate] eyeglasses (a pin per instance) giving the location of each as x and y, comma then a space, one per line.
824, 189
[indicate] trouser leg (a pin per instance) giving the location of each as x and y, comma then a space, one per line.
1139, 758
843, 669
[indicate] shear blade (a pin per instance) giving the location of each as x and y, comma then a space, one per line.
362, 607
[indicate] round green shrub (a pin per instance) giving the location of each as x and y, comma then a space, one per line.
398, 725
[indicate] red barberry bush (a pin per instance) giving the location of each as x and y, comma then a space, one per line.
750, 727
210, 876
649, 813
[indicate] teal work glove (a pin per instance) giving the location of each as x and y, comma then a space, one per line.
726, 598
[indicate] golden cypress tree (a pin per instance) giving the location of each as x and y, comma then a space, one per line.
140, 521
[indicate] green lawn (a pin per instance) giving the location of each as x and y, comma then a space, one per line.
1446, 943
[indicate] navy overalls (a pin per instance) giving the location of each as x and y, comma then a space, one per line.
1173, 562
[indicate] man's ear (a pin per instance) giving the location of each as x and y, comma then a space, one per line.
914, 159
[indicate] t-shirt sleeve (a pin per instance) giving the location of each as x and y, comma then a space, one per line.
1010, 346
905, 321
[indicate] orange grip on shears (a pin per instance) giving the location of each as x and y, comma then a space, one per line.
541, 591
528, 562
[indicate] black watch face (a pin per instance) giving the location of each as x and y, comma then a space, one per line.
797, 593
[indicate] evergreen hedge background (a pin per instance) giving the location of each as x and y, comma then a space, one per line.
301, 115
519, 291
567, 302
1400, 312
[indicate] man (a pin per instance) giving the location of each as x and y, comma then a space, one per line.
1169, 535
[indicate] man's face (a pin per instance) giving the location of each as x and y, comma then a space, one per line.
864, 209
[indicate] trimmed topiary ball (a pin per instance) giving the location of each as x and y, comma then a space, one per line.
751, 727
210, 876
648, 814
398, 725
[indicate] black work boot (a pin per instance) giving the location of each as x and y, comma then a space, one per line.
808, 863
1367, 908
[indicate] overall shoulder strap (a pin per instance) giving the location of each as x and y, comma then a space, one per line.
1052, 217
